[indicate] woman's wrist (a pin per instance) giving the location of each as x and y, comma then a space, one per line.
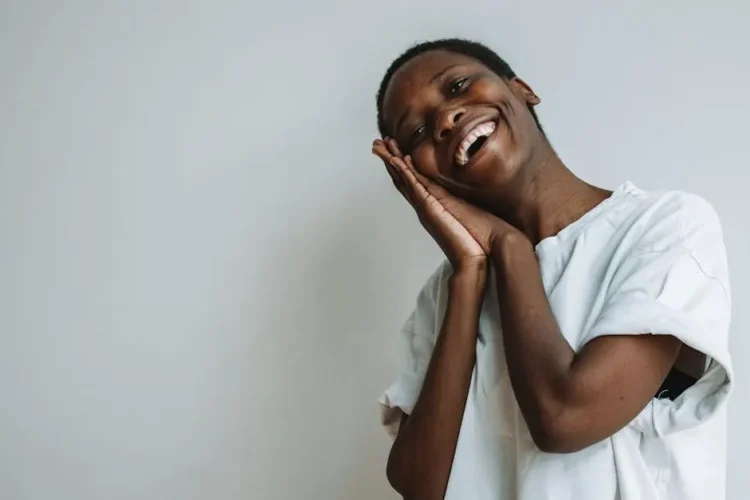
470, 269
511, 249
469, 277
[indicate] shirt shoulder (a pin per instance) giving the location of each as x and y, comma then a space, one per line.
670, 244
657, 221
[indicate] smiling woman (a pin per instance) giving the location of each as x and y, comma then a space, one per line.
573, 333
488, 99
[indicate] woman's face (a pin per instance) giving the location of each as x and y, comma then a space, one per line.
465, 127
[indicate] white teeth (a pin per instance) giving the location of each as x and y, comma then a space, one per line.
482, 130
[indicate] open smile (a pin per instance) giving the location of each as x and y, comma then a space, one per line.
472, 141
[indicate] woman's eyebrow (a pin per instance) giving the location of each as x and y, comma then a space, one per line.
443, 72
436, 77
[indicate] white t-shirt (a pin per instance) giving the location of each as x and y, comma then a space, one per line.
638, 263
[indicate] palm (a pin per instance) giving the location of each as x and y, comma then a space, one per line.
464, 232
482, 226
440, 220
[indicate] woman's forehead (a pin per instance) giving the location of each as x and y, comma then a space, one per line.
415, 74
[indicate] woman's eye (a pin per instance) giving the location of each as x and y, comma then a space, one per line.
418, 134
457, 86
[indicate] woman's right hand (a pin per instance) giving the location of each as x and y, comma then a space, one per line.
458, 244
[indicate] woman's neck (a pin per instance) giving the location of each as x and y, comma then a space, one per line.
546, 198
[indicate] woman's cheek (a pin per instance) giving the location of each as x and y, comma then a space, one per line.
425, 162
486, 89
418, 157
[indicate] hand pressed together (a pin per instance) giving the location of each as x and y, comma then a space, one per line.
465, 232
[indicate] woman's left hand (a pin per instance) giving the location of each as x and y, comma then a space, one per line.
486, 228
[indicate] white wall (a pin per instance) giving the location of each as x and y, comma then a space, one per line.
202, 270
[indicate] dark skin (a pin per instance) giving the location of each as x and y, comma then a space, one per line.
492, 211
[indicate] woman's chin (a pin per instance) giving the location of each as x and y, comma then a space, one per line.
490, 170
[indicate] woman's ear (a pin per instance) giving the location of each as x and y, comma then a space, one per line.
524, 91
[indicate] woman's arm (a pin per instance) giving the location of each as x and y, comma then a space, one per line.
422, 455
569, 400
420, 461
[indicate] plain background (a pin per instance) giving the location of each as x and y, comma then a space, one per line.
203, 270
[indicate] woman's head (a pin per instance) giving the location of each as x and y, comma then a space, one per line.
462, 113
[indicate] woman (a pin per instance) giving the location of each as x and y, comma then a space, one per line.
574, 344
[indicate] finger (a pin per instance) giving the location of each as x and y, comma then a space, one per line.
398, 179
393, 148
455, 206
379, 143
384, 154
411, 172
399, 183
416, 190
381, 150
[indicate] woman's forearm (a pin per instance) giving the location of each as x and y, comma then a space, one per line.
420, 460
538, 356
570, 400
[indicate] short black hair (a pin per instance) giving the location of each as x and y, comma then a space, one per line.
469, 48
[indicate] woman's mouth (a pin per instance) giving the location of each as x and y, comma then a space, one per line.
473, 142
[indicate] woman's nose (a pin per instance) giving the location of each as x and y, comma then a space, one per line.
447, 121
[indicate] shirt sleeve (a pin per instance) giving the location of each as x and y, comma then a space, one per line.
417, 340
674, 281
